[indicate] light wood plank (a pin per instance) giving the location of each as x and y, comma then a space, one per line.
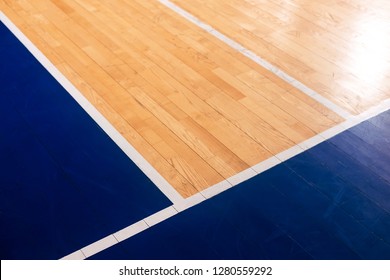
197, 110
337, 48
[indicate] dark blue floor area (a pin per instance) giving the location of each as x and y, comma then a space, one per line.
63, 183
330, 202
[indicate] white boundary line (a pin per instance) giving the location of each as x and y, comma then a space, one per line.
250, 172
260, 61
179, 204
128, 149
233, 181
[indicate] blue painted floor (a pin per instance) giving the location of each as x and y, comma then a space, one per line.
331, 202
64, 183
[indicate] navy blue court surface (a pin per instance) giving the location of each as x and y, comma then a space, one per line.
64, 184
330, 202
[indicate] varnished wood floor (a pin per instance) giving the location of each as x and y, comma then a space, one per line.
196, 109
339, 48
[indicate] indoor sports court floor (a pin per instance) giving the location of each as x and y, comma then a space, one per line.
158, 129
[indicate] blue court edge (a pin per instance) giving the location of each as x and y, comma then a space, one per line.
331, 202
64, 183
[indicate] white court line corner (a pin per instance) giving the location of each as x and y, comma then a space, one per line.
179, 203
107, 127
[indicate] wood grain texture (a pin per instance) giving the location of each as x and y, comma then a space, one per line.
197, 110
338, 48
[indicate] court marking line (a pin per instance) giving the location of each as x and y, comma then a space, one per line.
179, 203
231, 182
167, 189
257, 59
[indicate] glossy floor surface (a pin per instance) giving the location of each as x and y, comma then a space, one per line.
64, 183
338, 48
330, 202
184, 99
194, 130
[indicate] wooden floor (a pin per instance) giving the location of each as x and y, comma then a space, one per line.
339, 48
196, 109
